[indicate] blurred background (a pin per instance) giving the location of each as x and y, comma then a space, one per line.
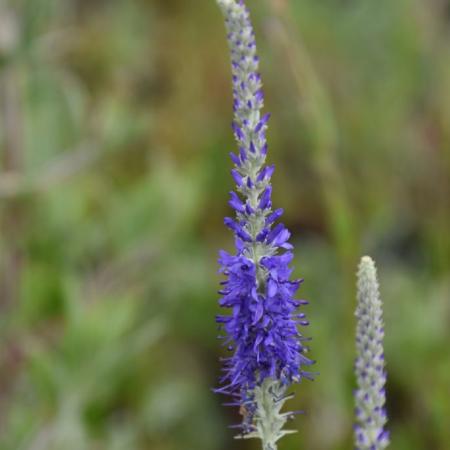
115, 132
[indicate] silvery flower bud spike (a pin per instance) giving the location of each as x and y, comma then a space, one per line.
370, 433
267, 351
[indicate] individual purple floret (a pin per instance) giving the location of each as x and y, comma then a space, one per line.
369, 367
261, 331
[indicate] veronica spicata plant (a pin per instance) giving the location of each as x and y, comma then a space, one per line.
267, 352
370, 374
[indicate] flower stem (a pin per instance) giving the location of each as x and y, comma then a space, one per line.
269, 446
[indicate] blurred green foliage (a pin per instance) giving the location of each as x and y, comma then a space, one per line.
114, 142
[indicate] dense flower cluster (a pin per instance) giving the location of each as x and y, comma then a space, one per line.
263, 325
261, 331
371, 376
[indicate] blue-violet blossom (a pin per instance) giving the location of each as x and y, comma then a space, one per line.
268, 352
370, 373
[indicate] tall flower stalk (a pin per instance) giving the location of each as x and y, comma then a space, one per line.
370, 397
267, 352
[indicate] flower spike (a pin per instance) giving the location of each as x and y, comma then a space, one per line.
267, 349
370, 397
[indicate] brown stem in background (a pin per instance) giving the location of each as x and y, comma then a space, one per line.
316, 109
58, 171
11, 211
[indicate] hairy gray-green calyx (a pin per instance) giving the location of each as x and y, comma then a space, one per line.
369, 367
269, 420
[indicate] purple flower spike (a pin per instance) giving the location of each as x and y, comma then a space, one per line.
267, 351
265, 201
267, 172
264, 149
238, 131
238, 229
237, 177
273, 217
262, 122
235, 159
370, 396
259, 96
242, 154
236, 203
